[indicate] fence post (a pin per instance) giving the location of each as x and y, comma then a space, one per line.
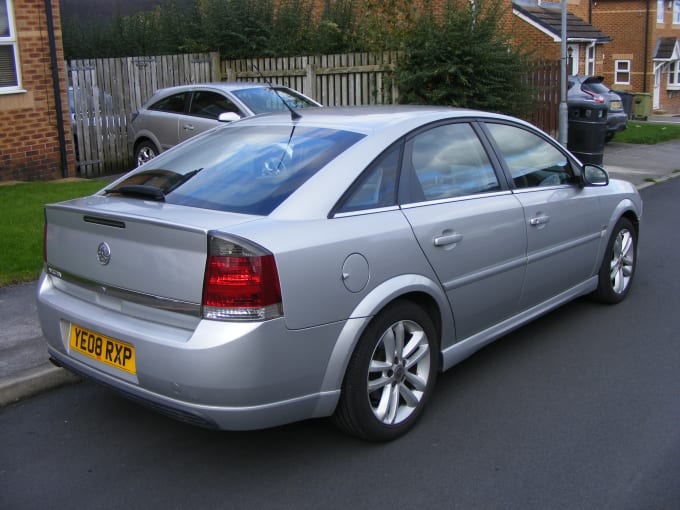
310, 81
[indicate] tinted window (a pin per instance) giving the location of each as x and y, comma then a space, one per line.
450, 161
263, 100
377, 186
210, 104
532, 161
242, 169
173, 103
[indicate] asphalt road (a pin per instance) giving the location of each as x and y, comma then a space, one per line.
579, 410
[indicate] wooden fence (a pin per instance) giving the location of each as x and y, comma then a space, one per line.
107, 92
544, 79
333, 80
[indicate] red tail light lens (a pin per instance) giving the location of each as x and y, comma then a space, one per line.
596, 97
241, 282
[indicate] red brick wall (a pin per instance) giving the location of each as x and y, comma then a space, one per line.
29, 144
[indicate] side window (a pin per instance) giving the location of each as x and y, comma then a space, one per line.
377, 186
450, 161
532, 161
210, 104
171, 104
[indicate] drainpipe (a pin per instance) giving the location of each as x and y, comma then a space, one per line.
56, 86
646, 53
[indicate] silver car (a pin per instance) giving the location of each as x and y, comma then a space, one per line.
175, 114
281, 268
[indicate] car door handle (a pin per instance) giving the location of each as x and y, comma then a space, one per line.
447, 239
539, 220
188, 127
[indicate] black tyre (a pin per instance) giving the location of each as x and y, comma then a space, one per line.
391, 374
145, 151
618, 266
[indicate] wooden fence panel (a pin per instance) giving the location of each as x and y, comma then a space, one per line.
333, 80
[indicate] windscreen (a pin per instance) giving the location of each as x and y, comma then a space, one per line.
264, 100
244, 169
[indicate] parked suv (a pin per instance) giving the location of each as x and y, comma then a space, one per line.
591, 88
175, 114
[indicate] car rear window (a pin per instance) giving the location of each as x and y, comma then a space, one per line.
598, 88
244, 169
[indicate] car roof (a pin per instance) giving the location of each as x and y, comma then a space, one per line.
367, 119
223, 86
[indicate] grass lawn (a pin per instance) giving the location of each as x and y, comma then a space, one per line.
21, 230
648, 133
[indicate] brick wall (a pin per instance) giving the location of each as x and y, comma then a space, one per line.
29, 143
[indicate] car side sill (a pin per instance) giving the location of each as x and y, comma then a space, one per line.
468, 346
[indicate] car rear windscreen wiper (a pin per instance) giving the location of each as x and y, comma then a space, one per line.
138, 190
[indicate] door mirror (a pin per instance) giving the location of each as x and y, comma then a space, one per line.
228, 117
594, 175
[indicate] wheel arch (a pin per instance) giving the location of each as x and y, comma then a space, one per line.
416, 288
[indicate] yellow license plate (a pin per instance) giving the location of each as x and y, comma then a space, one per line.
102, 348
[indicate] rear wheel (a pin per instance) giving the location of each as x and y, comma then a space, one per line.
618, 266
145, 151
390, 375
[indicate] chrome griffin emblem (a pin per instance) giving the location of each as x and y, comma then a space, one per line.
103, 253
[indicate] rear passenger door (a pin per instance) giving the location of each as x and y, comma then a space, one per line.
563, 219
469, 225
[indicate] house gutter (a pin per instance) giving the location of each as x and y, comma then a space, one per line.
61, 134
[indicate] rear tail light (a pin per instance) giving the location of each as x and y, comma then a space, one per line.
241, 281
596, 97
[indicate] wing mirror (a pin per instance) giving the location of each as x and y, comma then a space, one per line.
228, 117
594, 175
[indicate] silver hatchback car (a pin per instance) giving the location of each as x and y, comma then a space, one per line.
281, 268
175, 114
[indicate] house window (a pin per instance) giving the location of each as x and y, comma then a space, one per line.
590, 60
9, 59
622, 72
676, 12
674, 75
659, 10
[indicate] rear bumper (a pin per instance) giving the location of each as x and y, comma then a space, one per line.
234, 376
617, 121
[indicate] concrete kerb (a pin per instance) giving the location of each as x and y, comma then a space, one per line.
34, 381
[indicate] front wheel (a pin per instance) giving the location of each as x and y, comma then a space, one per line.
618, 266
391, 374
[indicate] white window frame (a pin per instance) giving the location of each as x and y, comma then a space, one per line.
590, 59
9, 39
622, 67
660, 6
676, 12
673, 75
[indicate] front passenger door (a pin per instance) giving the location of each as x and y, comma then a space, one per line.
563, 219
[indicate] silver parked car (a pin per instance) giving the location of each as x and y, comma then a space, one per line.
175, 114
279, 268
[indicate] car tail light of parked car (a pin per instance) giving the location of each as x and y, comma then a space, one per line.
241, 282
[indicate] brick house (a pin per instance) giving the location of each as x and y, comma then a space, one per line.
644, 55
35, 133
540, 27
